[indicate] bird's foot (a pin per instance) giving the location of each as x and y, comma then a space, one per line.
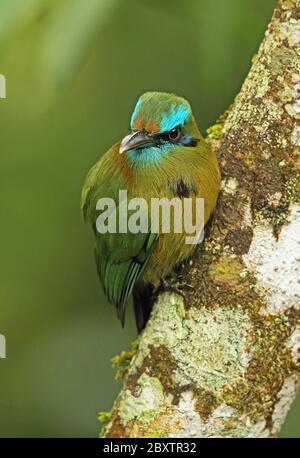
171, 285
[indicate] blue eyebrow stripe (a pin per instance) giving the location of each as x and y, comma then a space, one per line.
135, 112
176, 117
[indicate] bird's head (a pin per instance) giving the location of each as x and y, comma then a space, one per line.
159, 123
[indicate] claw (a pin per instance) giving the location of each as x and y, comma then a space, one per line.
171, 286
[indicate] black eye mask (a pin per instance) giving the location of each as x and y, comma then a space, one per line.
177, 137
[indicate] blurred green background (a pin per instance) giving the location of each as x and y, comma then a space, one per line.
74, 69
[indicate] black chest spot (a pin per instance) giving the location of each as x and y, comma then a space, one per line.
182, 189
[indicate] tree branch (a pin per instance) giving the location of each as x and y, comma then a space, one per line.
226, 362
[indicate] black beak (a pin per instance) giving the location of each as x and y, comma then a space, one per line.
137, 140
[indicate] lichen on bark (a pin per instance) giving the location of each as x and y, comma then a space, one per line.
225, 362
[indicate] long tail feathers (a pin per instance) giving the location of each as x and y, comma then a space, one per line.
142, 300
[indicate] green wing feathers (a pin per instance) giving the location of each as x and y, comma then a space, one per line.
119, 278
120, 258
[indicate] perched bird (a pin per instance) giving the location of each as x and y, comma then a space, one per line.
163, 155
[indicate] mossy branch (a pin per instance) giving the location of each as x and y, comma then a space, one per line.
226, 361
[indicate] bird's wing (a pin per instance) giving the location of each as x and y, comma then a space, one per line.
120, 267
120, 258
88, 190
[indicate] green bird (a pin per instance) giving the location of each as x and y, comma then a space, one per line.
163, 156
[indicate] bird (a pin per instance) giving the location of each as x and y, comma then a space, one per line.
163, 155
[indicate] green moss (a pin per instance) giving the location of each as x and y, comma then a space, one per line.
292, 189
104, 417
122, 361
206, 402
227, 270
215, 132
276, 216
287, 4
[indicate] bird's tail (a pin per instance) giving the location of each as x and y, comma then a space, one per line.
143, 301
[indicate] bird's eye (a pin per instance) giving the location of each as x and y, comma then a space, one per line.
175, 134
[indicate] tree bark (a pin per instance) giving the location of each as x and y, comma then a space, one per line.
224, 362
